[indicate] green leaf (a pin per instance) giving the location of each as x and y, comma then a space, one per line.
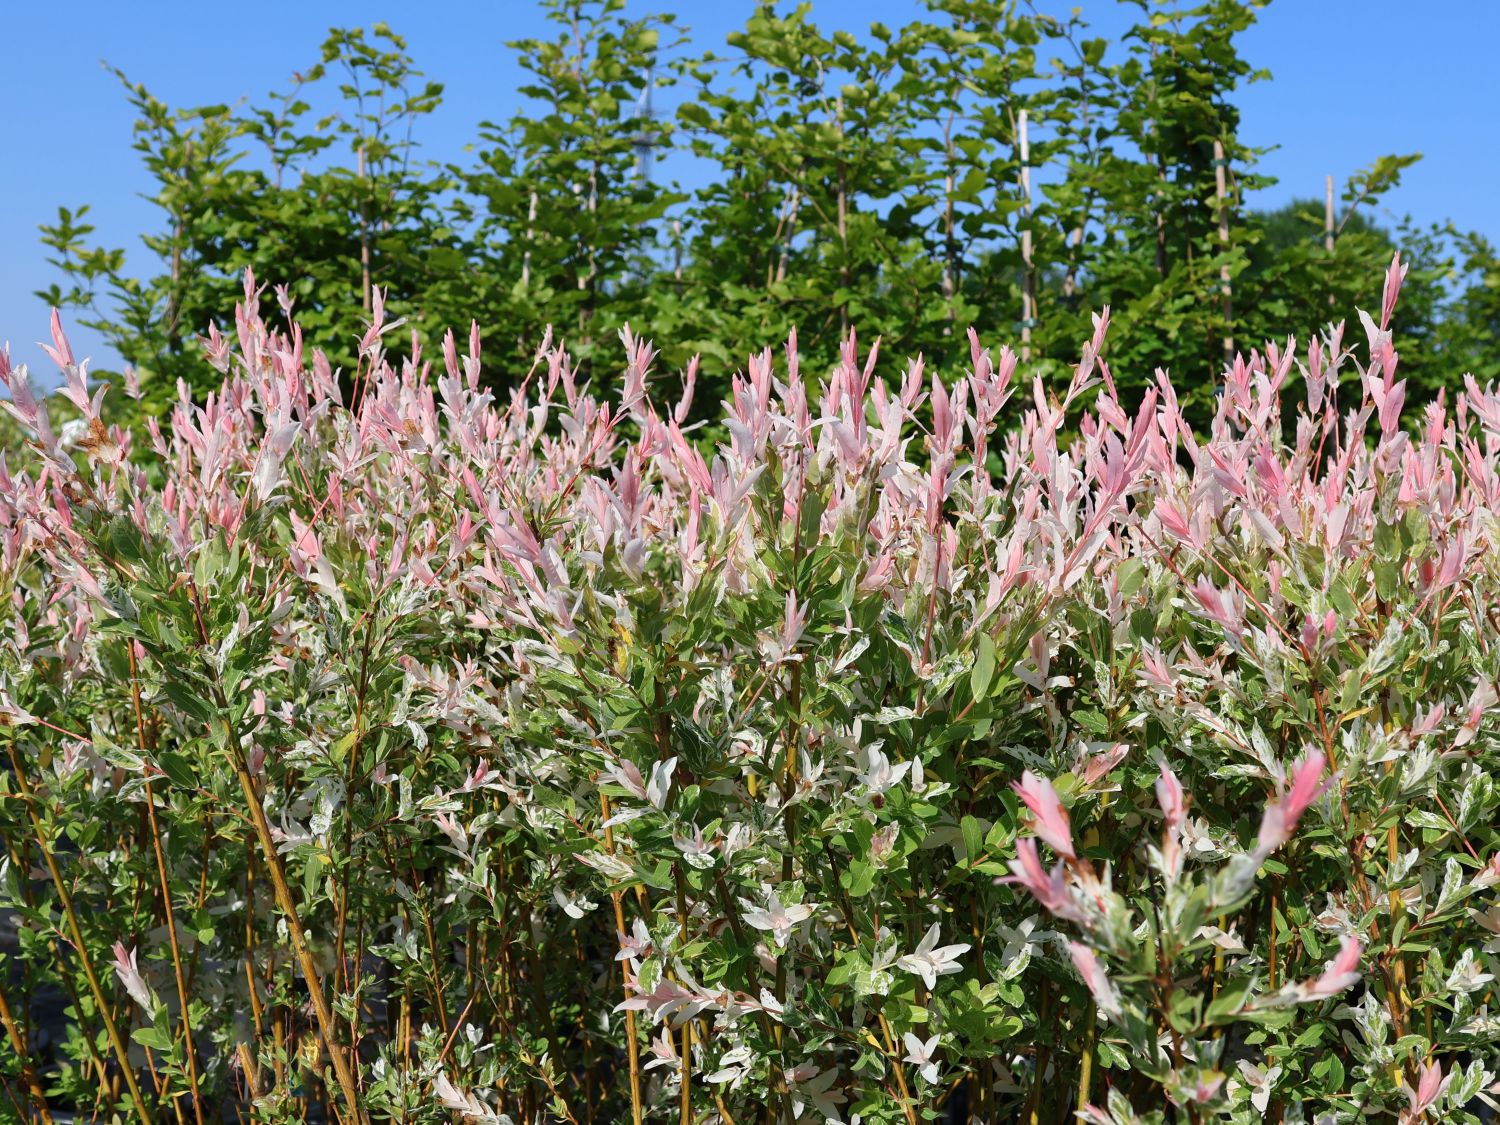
973, 834
984, 668
153, 1037
1226, 1006
858, 878
1329, 1070
178, 768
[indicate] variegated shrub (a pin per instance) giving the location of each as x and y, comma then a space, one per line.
947, 746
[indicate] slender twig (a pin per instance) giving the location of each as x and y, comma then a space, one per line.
166, 897
321, 1010
111, 1029
632, 1042
28, 1072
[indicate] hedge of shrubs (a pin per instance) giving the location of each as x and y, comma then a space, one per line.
907, 746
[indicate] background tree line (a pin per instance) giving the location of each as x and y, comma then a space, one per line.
877, 180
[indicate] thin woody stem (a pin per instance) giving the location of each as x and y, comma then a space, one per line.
327, 1028
111, 1029
28, 1072
632, 1042
166, 899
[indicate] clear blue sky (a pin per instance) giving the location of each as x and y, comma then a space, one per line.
1395, 76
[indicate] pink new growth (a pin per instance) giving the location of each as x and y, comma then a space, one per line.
1173, 802
1170, 797
1430, 1086
1220, 607
1281, 815
1051, 822
1394, 276
60, 350
535, 512
1050, 889
1342, 972
1087, 964
130, 976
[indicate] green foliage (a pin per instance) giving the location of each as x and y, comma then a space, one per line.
840, 178
563, 217
330, 206
508, 758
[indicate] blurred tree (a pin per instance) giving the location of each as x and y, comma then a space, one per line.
566, 219
329, 231
875, 180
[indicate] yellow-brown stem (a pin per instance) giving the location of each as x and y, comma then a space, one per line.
117, 1044
166, 899
182, 988
321, 1010
686, 1114
28, 1073
632, 1043
1043, 1057
1086, 1066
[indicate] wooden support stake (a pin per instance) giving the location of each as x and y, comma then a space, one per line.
1028, 280
1328, 213
1328, 224
530, 234
1221, 170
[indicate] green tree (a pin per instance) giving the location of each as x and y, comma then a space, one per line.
1469, 332
811, 222
262, 188
983, 89
1157, 257
567, 224
881, 180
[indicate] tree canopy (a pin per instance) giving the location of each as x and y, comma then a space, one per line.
984, 165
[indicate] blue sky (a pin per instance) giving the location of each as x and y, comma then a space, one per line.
1394, 76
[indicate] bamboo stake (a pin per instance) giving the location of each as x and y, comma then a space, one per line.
1328, 233
364, 239
788, 213
586, 283
1070, 279
843, 228
1328, 213
178, 229
1221, 169
530, 233
950, 241
1028, 279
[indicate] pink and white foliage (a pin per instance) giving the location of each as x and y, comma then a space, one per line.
716, 739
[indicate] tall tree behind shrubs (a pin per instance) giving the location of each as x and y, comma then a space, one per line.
839, 178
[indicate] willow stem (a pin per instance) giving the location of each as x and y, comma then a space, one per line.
1086, 1066
326, 1027
28, 1072
117, 1044
166, 899
632, 1043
